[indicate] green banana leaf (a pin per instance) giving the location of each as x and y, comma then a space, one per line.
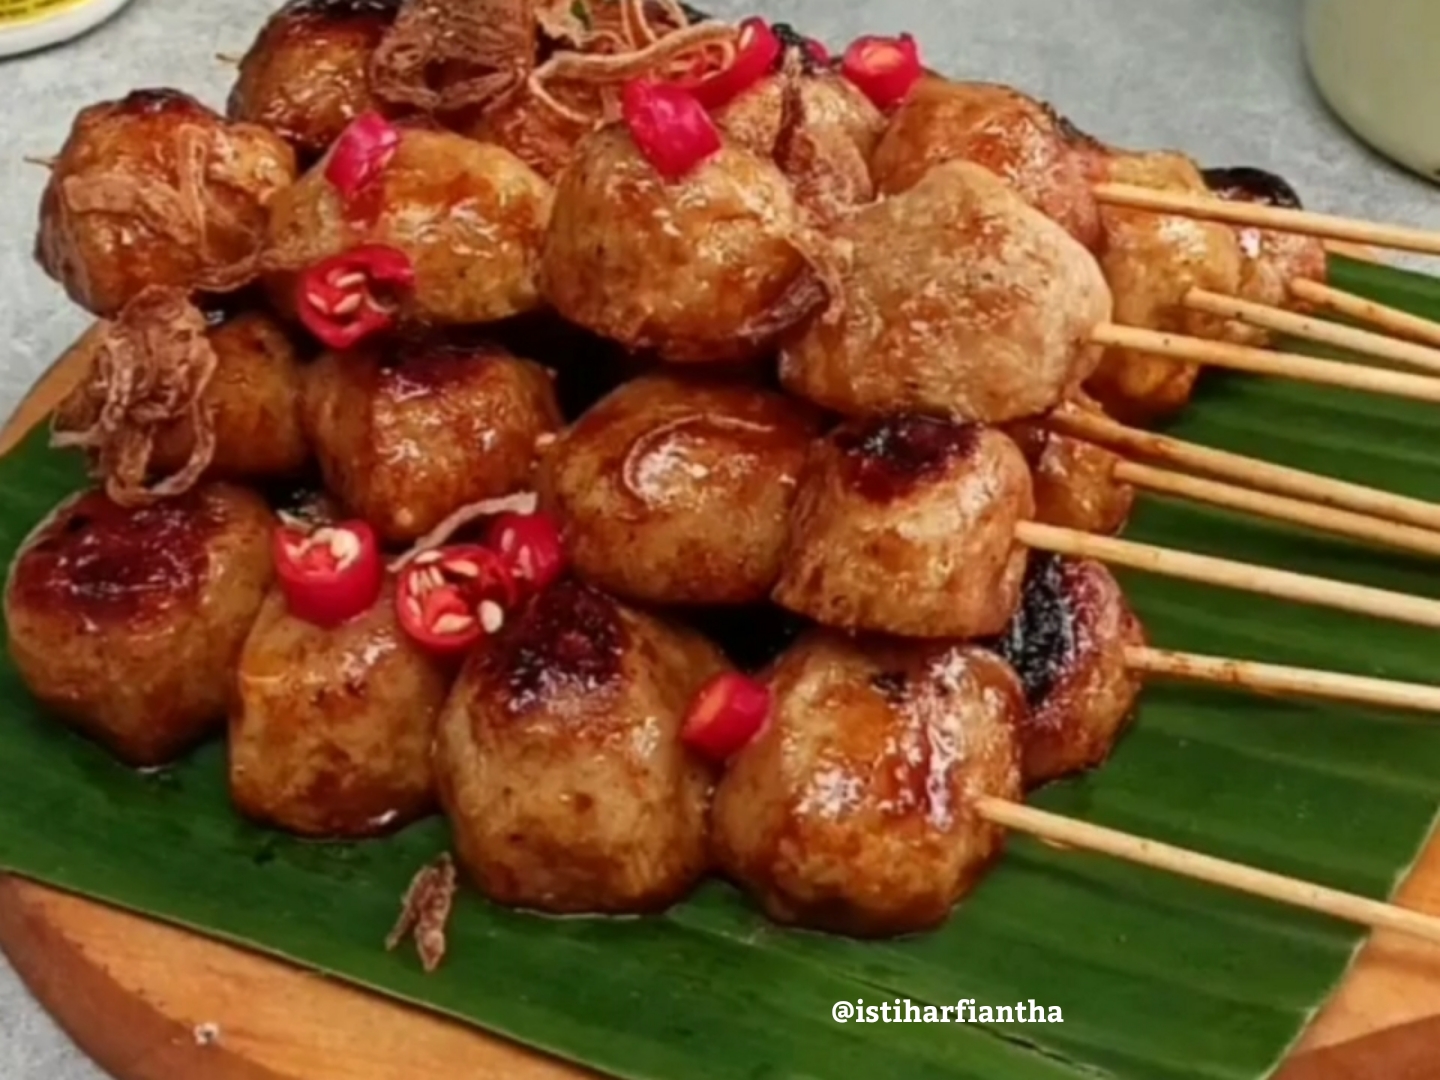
1156, 978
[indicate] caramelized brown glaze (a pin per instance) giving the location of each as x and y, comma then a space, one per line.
331, 729
157, 189
408, 432
128, 623
305, 76
560, 764
679, 492
906, 526
1075, 484
852, 812
1068, 642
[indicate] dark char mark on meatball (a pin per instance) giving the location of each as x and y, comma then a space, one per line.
1040, 640
569, 640
424, 364
1246, 184
340, 9
889, 456
160, 100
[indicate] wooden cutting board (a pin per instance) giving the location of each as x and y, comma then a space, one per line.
149, 1002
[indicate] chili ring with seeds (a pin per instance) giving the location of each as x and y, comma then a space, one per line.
449, 598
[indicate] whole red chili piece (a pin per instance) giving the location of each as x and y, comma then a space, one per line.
757, 51
725, 715
360, 155
448, 598
347, 297
530, 546
330, 575
883, 68
671, 128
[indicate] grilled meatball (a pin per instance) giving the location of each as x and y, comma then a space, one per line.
469, 215
1075, 484
1151, 261
1015, 137
677, 492
330, 729
1068, 642
559, 760
409, 431
1271, 260
959, 299
852, 811
906, 526
704, 269
128, 623
252, 399
157, 189
305, 76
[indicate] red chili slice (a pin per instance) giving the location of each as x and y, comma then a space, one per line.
671, 128
817, 50
330, 575
350, 296
530, 546
758, 50
726, 714
449, 598
883, 68
358, 158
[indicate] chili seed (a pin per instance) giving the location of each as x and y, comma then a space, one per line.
352, 280
463, 567
492, 616
450, 623
348, 306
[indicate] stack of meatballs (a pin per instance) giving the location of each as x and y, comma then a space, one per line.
781, 405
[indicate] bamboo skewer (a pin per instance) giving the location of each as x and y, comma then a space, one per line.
1249, 472
1208, 570
1303, 326
1392, 320
1068, 832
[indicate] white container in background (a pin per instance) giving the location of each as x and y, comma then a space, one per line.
27, 25
1377, 63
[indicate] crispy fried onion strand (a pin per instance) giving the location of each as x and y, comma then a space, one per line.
831, 179
522, 502
150, 368
425, 912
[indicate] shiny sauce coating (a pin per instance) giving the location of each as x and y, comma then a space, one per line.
890, 456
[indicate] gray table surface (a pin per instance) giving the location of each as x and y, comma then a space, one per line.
1223, 79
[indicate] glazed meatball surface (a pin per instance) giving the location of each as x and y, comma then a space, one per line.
959, 299
676, 491
906, 526
1074, 481
1271, 260
852, 811
410, 431
560, 763
157, 189
128, 623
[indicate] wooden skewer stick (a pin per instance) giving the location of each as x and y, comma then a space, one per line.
1295, 511
1286, 681
1263, 580
1249, 472
1321, 330
1392, 320
1068, 832
1303, 222
1264, 362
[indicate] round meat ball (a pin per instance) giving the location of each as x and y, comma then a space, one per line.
306, 75
1068, 643
906, 526
560, 764
128, 623
408, 432
252, 399
1013, 136
157, 189
331, 729
704, 269
469, 215
958, 299
676, 492
1074, 481
1271, 260
852, 812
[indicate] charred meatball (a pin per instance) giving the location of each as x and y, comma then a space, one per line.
1068, 644
676, 492
704, 269
330, 729
128, 623
157, 189
410, 431
852, 811
470, 217
959, 299
906, 525
306, 75
1271, 260
1075, 484
560, 764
